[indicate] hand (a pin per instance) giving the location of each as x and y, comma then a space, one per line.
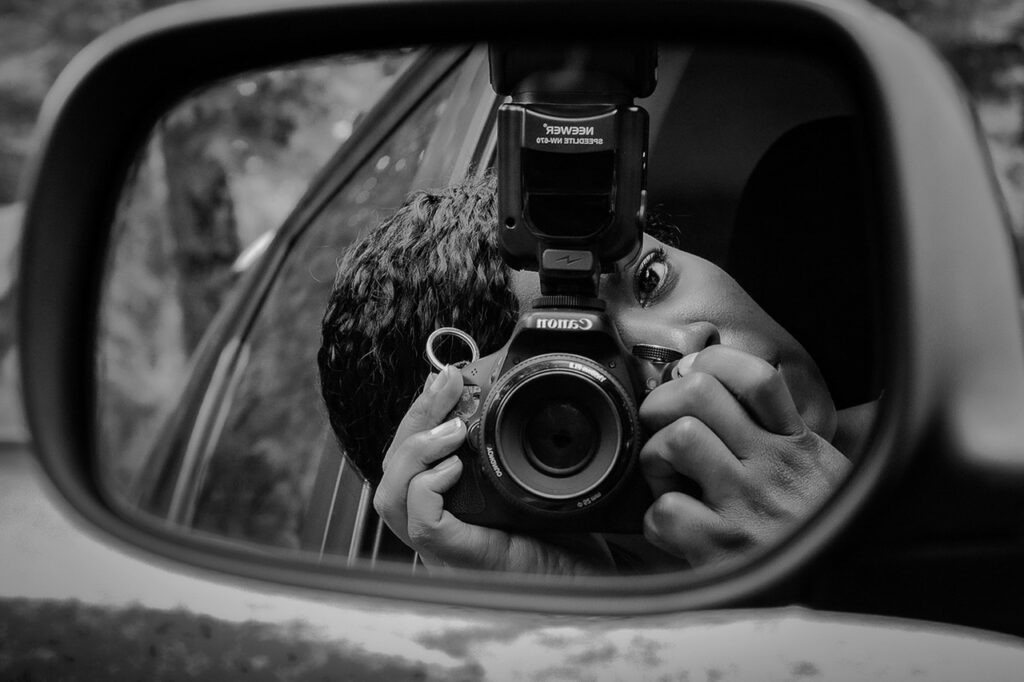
410, 499
730, 424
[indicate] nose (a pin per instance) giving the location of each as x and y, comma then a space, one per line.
695, 337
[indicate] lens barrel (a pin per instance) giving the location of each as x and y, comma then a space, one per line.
559, 430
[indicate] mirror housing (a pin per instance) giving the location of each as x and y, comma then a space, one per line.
947, 447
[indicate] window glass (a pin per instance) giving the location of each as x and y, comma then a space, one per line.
257, 482
220, 172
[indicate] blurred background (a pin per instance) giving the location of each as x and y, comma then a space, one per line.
252, 185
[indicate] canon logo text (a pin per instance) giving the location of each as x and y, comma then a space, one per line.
582, 324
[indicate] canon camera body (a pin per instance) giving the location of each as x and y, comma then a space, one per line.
553, 427
553, 422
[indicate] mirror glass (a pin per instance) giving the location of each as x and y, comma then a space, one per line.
287, 240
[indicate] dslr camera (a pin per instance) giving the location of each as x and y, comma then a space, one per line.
553, 423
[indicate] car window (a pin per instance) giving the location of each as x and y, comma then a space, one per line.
220, 172
257, 481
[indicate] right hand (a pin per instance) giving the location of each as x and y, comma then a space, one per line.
420, 467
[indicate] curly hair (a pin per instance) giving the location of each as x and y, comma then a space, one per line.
434, 263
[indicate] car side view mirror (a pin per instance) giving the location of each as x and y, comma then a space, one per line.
821, 253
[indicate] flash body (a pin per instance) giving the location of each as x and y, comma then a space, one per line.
572, 159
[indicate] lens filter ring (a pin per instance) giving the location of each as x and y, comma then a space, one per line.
559, 432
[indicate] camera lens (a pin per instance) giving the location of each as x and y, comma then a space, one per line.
559, 427
560, 438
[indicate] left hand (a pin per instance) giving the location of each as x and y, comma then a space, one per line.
730, 424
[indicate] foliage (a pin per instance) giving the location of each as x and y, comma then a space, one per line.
37, 40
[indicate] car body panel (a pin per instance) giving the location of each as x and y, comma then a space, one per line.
114, 612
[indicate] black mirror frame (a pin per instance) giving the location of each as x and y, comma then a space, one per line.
956, 419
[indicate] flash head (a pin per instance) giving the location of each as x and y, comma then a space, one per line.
572, 159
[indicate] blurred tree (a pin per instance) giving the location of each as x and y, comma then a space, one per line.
208, 140
201, 215
980, 38
37, 40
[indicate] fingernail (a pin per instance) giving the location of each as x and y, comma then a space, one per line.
440, 380
431, 377
446, 429
447, 464
684, 365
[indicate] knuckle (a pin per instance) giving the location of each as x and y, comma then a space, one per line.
685, 431
663, 512
732, 537
647, 409
422, 533
650, 453
765, 380
415, 444
795, 453
421, 408
763, 386
805, 440
651, 530
656, 408
696, 386
381, 502
419, 448
749, 480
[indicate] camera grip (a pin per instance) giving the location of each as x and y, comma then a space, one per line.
466, 497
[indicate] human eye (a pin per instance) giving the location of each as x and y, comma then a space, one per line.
651, 277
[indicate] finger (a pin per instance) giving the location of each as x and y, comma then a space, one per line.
700, 395
683, 526
757, 384
688, 448
436, 533
431, 407
426, 501
416, 454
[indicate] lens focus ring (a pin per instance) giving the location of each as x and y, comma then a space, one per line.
558, 430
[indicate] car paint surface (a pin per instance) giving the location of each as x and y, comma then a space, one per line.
73, 606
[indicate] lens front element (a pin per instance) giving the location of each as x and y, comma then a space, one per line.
561, 437
561, 427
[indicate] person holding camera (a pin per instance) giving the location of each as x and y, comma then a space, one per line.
739, 445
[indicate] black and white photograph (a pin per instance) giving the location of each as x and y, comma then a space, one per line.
529, 340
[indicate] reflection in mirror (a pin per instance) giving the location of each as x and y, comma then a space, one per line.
253, 367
